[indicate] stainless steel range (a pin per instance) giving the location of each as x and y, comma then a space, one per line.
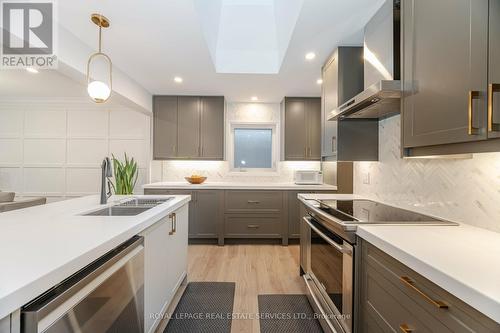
328, 253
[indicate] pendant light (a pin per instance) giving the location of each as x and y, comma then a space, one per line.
99, 91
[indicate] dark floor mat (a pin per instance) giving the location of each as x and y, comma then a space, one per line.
204, 307
287, 314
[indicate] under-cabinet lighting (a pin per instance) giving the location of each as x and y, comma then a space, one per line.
255, 98
178, 79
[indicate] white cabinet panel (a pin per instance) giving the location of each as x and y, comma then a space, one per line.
165, 264
86, 151
11, 123
10, 151
128, 124
44, 151
82, 181
44, 180
87, 124
45, 123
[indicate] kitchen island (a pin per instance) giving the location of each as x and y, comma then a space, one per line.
43, 245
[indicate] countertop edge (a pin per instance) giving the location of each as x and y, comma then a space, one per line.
270, 187
17, 298
480, 302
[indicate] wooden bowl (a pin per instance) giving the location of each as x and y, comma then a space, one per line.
195, 180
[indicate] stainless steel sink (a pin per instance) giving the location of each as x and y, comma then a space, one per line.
142, 202
118, 211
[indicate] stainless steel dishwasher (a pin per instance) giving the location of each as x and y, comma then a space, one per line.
105, 296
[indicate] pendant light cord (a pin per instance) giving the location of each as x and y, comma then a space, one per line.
100, 33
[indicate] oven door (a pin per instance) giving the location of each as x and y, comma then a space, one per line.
330, 277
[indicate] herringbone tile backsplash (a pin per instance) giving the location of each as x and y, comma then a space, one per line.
462, 190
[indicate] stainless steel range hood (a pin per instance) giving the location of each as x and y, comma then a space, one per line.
380, 100
382, 95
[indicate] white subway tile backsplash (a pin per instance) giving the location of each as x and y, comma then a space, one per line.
44, 151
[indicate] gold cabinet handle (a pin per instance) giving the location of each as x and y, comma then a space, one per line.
253, 226
253, 202
492, 88
405, 328
411, 284
472, 95
173, 224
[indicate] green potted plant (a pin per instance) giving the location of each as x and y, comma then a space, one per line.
125, 174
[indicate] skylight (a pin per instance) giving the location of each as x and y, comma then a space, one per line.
248, 36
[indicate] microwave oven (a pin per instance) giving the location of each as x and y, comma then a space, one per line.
308, 177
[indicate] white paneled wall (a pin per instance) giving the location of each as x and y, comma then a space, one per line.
54, 147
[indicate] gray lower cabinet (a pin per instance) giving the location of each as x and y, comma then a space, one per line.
445, 75
220, 214
188, 127
205, 210
302, 128
394, 298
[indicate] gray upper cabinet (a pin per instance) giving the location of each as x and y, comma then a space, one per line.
188, 131
445, 72
188, 127
165, 127
494, 71
212, 127
302, 124
350, 139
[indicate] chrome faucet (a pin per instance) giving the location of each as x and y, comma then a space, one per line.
107, 172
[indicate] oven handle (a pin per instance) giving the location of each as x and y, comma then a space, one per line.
340, 248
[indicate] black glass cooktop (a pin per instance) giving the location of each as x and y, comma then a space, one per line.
367, 211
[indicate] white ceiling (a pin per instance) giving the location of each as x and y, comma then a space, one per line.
153, 41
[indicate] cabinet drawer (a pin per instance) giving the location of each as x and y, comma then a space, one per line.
252, 226
254, 201
457, 317
390, 304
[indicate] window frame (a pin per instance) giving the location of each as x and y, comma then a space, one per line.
254, 171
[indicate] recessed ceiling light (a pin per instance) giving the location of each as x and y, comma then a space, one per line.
178, 79
32, 70
255, 98
319, 81
310, 56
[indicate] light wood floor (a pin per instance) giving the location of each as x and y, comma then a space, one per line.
256, 269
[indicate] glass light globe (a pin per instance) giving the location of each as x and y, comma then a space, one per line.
98, 91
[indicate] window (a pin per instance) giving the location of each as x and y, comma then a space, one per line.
253, 147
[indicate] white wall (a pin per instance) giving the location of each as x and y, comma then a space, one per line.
220, 170
53, 147
466, 190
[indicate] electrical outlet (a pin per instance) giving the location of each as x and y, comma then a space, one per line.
366, 178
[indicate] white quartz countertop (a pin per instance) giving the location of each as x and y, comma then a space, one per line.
184, 185
464, 260
43, 245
